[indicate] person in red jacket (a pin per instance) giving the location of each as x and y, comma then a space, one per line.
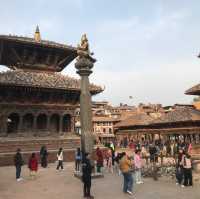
33, 165
99, 155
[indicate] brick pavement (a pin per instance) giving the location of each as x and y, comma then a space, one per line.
52, 184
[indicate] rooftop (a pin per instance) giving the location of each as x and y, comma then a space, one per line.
18, 52
43, 80
136, 119
179, 114
195, 90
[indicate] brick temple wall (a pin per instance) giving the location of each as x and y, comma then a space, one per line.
8, 148
6, 159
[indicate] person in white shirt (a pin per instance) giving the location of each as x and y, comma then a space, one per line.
187, 169
60, 159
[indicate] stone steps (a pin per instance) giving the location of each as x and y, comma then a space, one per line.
8, 148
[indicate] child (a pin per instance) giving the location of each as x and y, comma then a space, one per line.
77, 159
33, 166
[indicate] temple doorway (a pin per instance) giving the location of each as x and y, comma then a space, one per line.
13, 123
28, 122
54, 123
42, 122
66, 123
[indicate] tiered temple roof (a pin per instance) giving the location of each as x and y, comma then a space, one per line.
195, 90
33, 53
43, 80
37, 63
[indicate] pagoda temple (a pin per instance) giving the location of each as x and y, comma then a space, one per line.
37, 102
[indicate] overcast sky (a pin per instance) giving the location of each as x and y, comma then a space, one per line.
145, 48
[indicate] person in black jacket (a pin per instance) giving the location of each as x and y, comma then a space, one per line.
86, 177
18, 161
43, 156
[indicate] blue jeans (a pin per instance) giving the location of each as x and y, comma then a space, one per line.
18, 171
128, 182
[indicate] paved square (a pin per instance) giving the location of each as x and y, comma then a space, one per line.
52, 184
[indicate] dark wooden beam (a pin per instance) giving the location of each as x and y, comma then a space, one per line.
48, 59
62, 61
56, 58
16, 55
33, 57
25, 54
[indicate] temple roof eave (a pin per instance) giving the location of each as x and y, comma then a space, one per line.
26, 53
43, 43
40, 80
195, 90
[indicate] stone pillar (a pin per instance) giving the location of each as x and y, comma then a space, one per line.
60, 125
72, 123
48, 124
35, 125
84, 66
3, 124
20, 127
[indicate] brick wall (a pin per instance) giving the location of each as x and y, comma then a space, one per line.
8, 149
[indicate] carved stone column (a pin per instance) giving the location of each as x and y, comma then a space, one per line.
84, 66
48, 125
20, 127
72, 124
35, 125
3, 124
60, 125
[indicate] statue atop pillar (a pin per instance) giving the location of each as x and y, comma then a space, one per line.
83, 49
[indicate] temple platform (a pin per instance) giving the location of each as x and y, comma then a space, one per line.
8, 147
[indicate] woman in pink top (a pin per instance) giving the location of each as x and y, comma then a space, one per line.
138, 166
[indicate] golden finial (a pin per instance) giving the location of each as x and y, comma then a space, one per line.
37, 34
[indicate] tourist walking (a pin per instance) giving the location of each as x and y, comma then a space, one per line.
125, 167
60, 159
18, 161
86, 176
138, 166
43, 156
77, 159
187, 169
99, 155
33, 165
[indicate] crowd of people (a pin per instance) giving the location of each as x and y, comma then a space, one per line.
128, 163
